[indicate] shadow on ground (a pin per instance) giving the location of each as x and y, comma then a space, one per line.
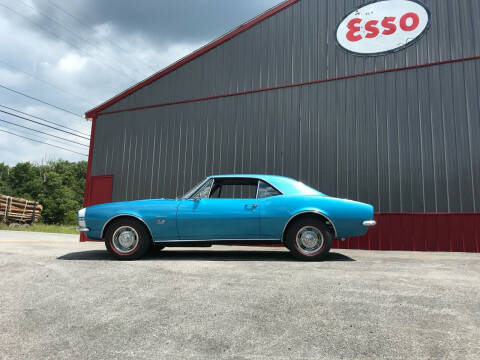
201, 255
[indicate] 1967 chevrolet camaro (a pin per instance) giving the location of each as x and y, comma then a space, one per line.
229, 209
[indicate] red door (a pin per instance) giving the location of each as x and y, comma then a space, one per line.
98, 191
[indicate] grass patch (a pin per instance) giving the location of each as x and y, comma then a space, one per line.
46, 228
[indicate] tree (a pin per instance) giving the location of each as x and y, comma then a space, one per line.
4, 175
58, 186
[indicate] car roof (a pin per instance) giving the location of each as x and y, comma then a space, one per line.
285, 185
251, 176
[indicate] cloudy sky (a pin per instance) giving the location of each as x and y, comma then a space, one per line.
76, 54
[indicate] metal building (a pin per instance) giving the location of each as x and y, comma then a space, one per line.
278, 95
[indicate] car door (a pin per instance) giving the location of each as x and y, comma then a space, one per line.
223, 209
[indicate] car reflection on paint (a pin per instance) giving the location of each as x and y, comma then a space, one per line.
230, 209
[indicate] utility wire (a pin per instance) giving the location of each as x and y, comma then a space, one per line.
39, 123
43, 102
67, 42
42, 132
45, 82
41, 142
73, 33
41, 137
39, 118
89, 27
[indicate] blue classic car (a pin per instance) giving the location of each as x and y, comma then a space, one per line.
230, 209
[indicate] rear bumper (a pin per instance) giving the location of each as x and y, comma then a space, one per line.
369, 223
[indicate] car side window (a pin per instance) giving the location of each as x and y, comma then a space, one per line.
234, 189
204, 191
266, 190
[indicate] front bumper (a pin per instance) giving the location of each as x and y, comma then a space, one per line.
83, 229
369, 223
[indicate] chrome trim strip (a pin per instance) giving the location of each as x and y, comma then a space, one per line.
82, 229
309, 212
126, 215
214, 240
369, 223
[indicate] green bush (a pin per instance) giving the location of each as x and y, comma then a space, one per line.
58, 186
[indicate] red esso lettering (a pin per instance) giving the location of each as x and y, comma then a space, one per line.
353, 29
408, 22
372, 29
389, 26
415, 21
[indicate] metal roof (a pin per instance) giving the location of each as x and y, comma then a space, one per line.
242, 28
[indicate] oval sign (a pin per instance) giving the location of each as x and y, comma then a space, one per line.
382, 27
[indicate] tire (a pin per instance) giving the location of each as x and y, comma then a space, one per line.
127, 239
315, 243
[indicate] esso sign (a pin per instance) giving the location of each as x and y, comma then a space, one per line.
383, 26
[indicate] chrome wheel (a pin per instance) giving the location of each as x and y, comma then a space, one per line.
125, 239
309, 240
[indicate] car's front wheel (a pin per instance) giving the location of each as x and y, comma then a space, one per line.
309, 239
127, 239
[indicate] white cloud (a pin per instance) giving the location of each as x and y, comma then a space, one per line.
72, 63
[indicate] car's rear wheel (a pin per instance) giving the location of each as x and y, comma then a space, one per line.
127, 239
309, 239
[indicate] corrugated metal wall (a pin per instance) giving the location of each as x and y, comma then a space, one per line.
404, 141
298, 44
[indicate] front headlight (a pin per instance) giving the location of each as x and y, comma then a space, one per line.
81, 218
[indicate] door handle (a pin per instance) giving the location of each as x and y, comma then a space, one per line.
254, 206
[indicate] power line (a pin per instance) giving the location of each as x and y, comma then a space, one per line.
39, 136
45, 82
51, 127
41, 142
39, 118
67, 42
42, 132
89, 27
72, 32
43, 102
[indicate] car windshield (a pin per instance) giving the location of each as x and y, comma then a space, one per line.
192, 190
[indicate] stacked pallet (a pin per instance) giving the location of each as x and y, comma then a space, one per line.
16, 210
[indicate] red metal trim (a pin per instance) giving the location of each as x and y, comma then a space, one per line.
448, 232
86, 194
93, 112
344, 77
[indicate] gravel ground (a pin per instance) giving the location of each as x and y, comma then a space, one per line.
60, 299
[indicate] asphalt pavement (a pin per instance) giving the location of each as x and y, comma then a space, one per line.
61, 299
